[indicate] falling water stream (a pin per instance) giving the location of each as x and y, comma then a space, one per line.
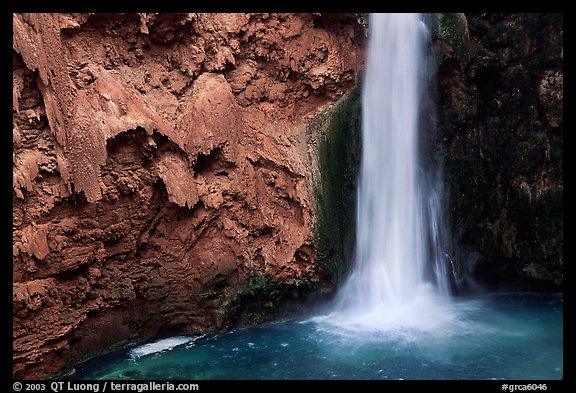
398, 208
393, 317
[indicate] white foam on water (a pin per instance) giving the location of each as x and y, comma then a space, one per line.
165, 344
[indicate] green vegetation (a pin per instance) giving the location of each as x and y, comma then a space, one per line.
257, 299
502, 152
453, 28
337, 132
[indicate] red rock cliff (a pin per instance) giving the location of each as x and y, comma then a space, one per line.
159, 161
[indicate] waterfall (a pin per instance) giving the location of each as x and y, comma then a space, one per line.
399, 276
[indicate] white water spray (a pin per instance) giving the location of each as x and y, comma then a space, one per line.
399, 276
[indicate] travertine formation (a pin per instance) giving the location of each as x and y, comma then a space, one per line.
159, 161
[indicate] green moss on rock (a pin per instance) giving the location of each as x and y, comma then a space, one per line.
261, 298
337, 152
501, 124
453, 28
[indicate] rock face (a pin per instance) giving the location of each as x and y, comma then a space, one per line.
161, 164
500, 120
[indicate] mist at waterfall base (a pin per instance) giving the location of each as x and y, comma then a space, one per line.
393, 318
494, 337
399, 278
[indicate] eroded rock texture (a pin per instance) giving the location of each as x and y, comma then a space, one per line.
160, 160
